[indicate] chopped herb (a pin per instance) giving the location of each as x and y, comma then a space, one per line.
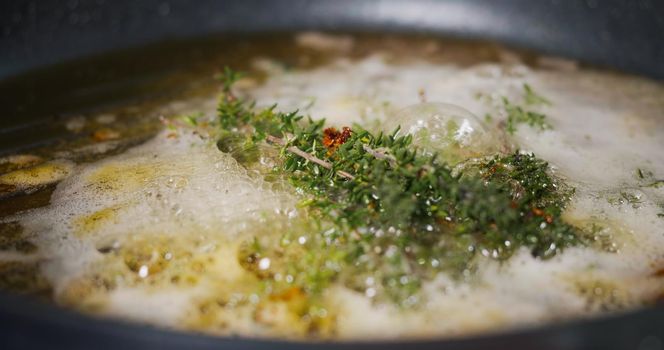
656, 184
522, 114
533, 99
647, 179
517, 115
229, 77
626, 197
191, 119
631, 198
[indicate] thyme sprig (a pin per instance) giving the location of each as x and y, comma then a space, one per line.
384, 211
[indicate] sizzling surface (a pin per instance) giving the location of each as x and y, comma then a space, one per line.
152, 232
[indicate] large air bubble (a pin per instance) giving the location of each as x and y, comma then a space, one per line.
451, 131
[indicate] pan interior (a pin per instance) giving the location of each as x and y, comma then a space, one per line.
110, 205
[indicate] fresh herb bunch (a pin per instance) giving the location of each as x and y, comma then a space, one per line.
386, 216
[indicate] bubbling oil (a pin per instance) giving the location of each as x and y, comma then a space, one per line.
132, 219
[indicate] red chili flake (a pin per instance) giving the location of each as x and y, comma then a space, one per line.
538, 211
659, 273
332, 138
492, 170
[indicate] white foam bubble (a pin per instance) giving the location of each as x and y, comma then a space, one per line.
166, 186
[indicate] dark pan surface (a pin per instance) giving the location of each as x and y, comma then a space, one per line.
27, 325
626, 35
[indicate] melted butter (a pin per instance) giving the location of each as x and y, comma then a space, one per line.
121, 177
603, 234
23, 277
602, 294
155, 233
89, 224
38, 175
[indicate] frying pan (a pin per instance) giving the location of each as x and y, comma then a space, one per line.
625, 35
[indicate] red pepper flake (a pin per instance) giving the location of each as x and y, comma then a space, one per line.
659, 273
539, 212
332, 138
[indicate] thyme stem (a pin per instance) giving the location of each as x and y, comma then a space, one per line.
277, 141
380, 154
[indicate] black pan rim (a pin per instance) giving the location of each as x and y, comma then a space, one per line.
28, 323
573, 334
